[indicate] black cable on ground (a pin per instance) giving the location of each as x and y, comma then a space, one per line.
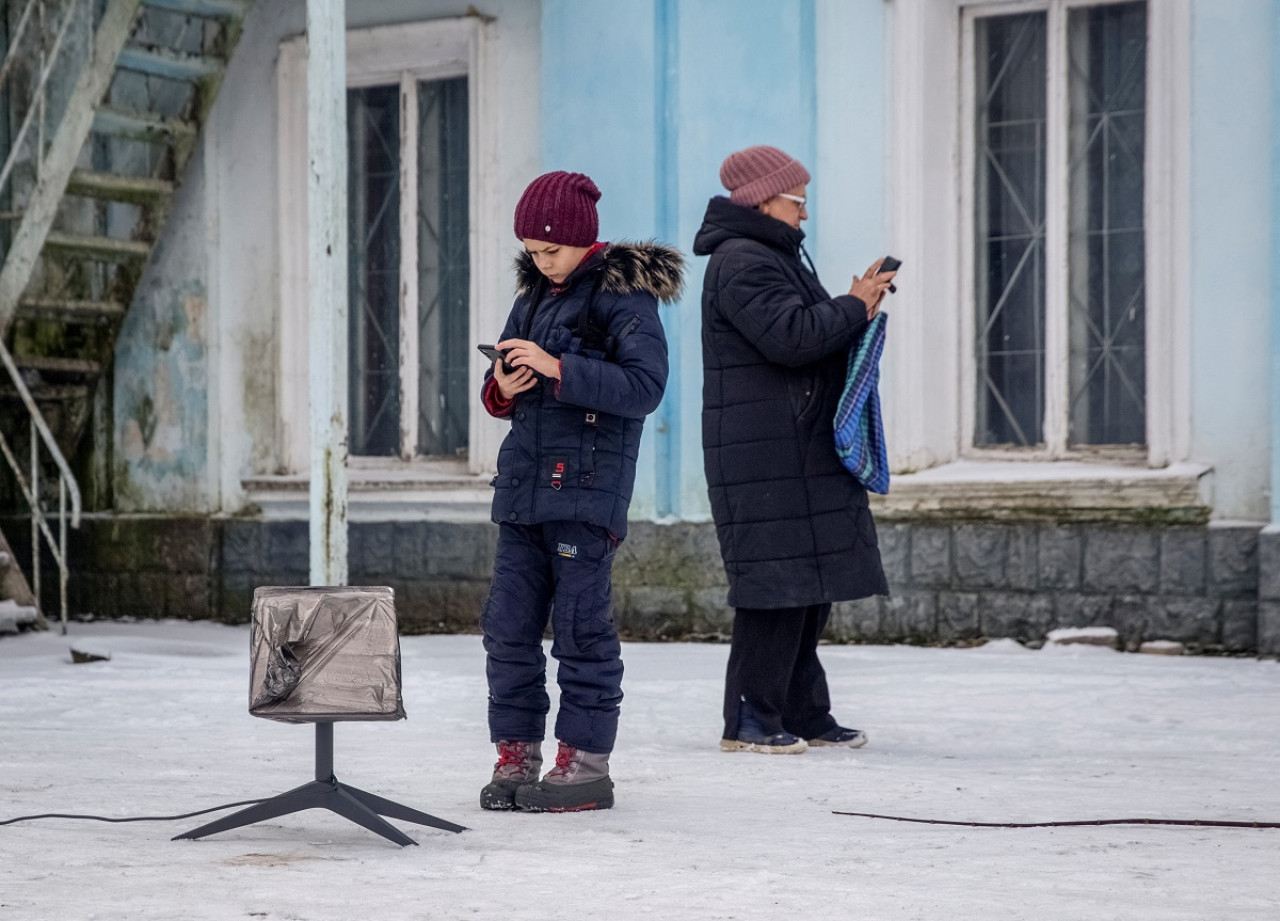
138, 818
1201, 822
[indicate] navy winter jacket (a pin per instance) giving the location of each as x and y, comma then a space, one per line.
571, 452
793, 524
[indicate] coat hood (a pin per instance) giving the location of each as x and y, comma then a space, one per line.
725, 220
627, 268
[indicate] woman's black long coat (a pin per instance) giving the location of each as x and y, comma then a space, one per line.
793, 524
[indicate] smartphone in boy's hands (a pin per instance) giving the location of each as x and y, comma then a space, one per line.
493, 354
889, 264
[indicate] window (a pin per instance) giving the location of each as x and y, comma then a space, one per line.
426, 258
408, 316
1058, 148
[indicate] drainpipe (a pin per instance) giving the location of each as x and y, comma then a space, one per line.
327, 283
667, 195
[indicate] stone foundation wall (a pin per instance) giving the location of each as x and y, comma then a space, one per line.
964, 581
1213, 588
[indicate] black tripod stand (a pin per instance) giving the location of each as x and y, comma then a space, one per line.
325, 792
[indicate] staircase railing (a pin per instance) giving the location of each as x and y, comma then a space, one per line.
31, 139
89, 76
47, 59
67, 488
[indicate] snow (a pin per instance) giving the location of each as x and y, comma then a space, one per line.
998, 733
1072, 633
1087, 636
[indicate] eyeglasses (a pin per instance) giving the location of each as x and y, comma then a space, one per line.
798, 199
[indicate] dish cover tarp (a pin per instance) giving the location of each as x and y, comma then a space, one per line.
325, 653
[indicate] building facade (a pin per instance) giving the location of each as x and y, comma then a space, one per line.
1081, 382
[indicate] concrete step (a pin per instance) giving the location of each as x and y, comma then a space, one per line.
207, 9
142, 126
172, 65
102, 249
14, 616
135, 190
47, 364
71, 311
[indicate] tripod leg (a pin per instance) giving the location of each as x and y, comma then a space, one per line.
307, 796
346, 805
398, 811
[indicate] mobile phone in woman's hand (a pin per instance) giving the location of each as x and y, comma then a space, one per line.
889, 264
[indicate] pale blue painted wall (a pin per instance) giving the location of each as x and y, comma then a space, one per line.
1274, 390
1232, 249
848, 219
600, 116
747, 76
648, 97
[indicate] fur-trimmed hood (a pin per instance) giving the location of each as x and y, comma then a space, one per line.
627, 267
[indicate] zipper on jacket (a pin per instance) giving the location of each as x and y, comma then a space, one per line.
588, 476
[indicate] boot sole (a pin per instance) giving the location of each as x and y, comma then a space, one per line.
855, 743
585, 807
546, 797
733, 745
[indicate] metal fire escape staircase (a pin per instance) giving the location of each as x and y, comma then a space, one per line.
102, 101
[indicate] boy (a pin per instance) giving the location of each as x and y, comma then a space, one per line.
588, 361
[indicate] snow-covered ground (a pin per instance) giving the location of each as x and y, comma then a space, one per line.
998, 733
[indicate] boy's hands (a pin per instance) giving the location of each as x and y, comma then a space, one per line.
526, 357
521, 353
518, 381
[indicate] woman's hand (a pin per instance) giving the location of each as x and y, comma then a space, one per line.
871, 288
523, 354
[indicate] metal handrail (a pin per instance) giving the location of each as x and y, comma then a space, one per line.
45, 59
14, 41
37, 96
31, 491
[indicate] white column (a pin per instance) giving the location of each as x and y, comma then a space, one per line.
327, 280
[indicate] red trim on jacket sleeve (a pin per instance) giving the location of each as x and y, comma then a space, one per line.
493, 401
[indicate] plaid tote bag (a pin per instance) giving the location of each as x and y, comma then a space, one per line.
859, 426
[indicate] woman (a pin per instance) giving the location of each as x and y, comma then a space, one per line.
794, 528
585, 361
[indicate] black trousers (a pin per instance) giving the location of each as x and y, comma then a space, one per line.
773, 665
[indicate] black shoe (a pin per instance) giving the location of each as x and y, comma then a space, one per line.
753, 737
780, 743
839, 735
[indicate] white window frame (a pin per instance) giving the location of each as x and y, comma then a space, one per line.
931, 186
403, 55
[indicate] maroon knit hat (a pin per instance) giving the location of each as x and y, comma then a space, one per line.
757, 174
559, 208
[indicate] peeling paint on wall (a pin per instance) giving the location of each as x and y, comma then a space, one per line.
161, 382
260, 357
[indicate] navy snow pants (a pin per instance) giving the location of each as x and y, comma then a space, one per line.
562, 571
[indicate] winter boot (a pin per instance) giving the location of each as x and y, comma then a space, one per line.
839, 735
518, 762
579, 781
753, 737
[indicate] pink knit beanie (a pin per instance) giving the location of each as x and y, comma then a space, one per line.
559, 208
757, 174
